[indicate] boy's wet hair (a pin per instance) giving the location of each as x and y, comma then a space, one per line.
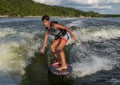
45, 17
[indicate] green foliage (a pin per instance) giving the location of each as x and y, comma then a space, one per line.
29, 8
111, 15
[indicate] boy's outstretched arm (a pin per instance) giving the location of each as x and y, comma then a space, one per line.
44, 42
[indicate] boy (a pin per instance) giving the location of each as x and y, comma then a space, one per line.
60, 33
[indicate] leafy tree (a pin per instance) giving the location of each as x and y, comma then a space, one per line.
23, 8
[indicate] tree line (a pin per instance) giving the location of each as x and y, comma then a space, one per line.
30, 8
21, 8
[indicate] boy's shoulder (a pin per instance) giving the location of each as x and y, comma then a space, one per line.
52, 22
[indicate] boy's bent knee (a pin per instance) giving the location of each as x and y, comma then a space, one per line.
52, 49
58, 49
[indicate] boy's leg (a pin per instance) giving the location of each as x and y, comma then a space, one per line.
53, 49
61, 53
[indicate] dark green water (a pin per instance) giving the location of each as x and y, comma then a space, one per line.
37, 73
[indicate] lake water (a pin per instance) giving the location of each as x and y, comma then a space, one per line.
94, 56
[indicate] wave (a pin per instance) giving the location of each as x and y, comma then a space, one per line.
16, 51
6, 31
96, 49
90, 65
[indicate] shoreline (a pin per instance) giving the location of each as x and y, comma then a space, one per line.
2, 16
6, 16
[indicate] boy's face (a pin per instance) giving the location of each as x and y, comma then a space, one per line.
46, 23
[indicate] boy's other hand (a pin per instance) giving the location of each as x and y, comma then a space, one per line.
42, 50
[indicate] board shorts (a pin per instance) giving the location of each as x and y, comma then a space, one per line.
65, 38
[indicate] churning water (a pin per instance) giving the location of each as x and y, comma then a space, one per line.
94, 56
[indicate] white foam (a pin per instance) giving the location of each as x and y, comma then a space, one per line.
91, 65
6, 31
77, 23
95, 34
84, 60
16, 51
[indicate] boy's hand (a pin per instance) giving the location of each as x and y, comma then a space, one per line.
42, 50
73, 37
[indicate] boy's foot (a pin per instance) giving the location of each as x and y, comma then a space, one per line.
55, 62
61, 68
